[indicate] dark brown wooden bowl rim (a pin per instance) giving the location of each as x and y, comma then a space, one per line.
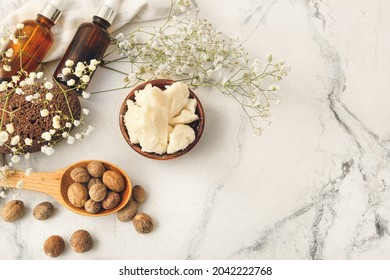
198, 125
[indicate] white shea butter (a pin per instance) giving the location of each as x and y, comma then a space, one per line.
157, 120
180, 137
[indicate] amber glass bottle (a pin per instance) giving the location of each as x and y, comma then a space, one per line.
90, 42
35, 40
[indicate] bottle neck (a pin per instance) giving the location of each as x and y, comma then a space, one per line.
101, 22
44, 21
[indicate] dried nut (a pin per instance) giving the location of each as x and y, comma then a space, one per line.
114, 181
43, 211
93, 181
12, 211
143, 223
96, 169
98, 192
92, 207
54, 246
138, 194
77, 194
81, 241
111, 201
80, 175
128, 212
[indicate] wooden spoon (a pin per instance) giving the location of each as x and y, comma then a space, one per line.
57, 183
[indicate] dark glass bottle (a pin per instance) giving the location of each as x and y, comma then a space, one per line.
90, 42
35, 43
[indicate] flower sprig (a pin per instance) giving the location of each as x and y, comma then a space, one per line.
56, 108
189, 49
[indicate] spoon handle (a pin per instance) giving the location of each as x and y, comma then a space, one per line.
45, 182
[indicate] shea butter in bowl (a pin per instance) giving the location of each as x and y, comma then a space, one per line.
161, 119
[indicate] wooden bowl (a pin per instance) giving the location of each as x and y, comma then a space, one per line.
197, 125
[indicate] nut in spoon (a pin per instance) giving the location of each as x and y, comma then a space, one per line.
56, 184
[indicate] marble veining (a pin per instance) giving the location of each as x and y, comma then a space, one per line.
315, 185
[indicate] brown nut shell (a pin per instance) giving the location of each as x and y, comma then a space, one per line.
77, 194
43, 210
93, 181
98, 192
139, 194
80, 175
96, 169
92, 207
81, 241
128, 212
143, 223
54, 246
114, 181
12, 211
111, 201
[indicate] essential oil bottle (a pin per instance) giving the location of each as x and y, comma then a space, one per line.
90, 42
35, 40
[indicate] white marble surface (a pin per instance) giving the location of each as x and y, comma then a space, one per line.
315, 185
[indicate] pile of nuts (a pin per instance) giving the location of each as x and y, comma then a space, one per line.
94, 188
81, 241
14, 210
142, 222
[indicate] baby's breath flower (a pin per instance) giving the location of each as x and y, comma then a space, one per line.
70, 140
15, 159
3, 137
273, 88
85, 111
66, 71
85, 78
6, 68
69, 63
9, 53
15, 140
94, 62
19, 91
86, 95
27, 156
52, 131
89, 130
10, 128
44, 112
15, 79
71, 82
49, 96
47, 150
14, 39
65, 134
68, 125
28, 171
29, 98
39, 75
20, 26
28, 141
56, 122
78, 136
76, 123
46, 136
48, 85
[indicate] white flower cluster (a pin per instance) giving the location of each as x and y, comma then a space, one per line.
44, 96
82, 74
190, 49
6, 54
